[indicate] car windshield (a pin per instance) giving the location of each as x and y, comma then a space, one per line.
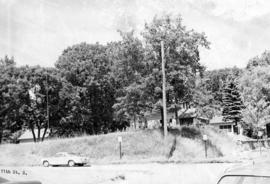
61, 154
66, 154
244, 180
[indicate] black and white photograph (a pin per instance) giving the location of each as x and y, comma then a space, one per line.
134, 92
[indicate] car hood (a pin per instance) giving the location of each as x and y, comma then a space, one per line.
22, 182
2, 180
258, 169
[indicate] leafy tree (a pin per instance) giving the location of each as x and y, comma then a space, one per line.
263, 60
68, 119
7, 62
6, 103
87, 67
255, 90
39, 90
203, 98
12, 96
127, 57
208, 93
182, 60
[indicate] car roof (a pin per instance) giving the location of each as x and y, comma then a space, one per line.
251, 169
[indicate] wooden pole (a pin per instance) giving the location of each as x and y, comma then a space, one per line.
120, 150
205, 148
164, 90
47, 99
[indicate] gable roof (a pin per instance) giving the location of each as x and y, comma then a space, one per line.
157, 116
182, 113
190, 113
187, 113
218, 120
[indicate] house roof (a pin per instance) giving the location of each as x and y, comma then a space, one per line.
187, 113
182, 113
157, 116
219, 120
29, 135
190, 113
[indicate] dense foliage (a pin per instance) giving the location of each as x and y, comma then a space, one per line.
100, 88
255, 91
97, 88
209, 92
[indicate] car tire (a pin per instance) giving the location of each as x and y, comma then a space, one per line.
71, 163
46, 164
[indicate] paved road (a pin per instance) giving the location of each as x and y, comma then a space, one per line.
120, 174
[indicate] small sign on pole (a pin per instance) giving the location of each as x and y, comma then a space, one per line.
120, 146
205, 138
119, 139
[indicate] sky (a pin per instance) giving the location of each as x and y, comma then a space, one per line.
36, 32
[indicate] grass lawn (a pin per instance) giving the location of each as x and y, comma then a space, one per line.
137, 146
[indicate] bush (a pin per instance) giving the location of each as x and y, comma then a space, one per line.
190, 132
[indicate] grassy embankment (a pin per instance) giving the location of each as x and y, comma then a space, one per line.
138, 146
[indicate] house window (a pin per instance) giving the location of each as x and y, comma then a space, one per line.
227, 128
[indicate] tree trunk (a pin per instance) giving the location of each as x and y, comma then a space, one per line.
162, 117
44, 133
93, 130
145, 123
134, 120
38, 137
33, 132
176, 115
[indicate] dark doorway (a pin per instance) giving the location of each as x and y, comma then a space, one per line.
268, 129
235, 129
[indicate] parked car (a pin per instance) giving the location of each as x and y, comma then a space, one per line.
247, 174
5, 181
64, 158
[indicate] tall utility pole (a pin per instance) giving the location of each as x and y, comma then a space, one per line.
164, 90
47, 97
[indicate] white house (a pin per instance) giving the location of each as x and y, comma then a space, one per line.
229, 127
27, 136
186, 117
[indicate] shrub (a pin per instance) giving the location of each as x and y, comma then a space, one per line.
190, 132
186, 131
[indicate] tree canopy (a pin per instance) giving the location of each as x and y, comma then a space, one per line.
255, 91
100, 88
